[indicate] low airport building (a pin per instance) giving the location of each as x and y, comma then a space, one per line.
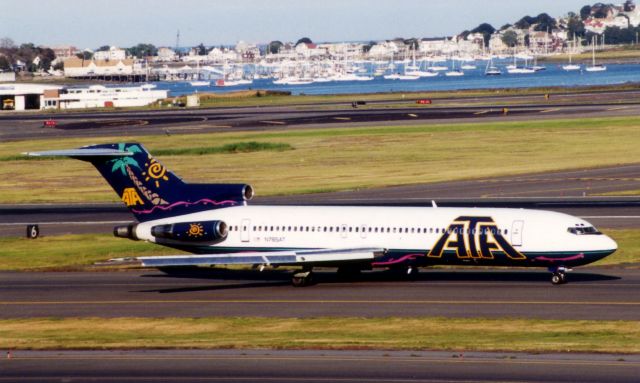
24, 96
51, 97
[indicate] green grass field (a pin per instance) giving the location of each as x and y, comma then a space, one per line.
69, 252
339, 158
323, 333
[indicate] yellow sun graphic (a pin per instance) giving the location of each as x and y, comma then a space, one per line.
156, 171
195, 230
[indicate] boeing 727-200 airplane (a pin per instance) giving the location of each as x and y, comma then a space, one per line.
215, 223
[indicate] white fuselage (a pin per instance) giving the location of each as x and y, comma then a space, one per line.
541, 234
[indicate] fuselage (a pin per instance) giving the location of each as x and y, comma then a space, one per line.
417, 236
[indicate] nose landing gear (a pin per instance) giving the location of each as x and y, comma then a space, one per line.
558, 276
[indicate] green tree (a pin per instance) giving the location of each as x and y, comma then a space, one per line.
103, 48
525, 22
7, 43
544, 22
5, 63
412, 43
487, 30
142, 50
47, 55
274, 47
585, 12
600, 10
201, 49
367, 47
510, 38
85, 55
575, 26
629, 6
304, 40
617, 35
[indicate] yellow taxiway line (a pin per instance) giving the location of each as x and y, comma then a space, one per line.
325, 301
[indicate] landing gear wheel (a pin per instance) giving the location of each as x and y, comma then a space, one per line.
412, 272
302, 279
558, 278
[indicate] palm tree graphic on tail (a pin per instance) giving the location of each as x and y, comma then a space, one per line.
124, 164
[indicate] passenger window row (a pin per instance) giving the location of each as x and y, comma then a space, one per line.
361, 229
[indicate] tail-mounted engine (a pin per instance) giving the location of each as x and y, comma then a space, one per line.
203, 231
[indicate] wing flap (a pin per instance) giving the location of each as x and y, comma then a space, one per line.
289, 257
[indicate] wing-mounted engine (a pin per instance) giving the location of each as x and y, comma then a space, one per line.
203, 231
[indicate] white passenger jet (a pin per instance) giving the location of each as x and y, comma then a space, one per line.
215, 224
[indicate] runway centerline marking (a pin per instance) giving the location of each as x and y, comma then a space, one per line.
550, 110
273, 122
618, 108
321, 301
482, 112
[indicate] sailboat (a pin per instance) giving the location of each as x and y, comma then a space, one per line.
594, 67
492, 70
571, 66
197, 81
415, 70
454, 72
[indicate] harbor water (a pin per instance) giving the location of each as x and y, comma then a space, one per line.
554, 75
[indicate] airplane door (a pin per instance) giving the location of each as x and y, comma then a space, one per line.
245, 230
516, 233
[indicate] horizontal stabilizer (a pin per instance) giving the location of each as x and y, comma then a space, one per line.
289, 257
91, 152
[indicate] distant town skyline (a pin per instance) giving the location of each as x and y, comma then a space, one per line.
90, 24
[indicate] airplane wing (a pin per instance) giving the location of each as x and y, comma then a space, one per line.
289, 257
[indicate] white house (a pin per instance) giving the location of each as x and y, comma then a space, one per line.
166, 55
308, 50
113, 53
76, 67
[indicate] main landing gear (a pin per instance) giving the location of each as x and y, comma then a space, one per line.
558, 276
303, 278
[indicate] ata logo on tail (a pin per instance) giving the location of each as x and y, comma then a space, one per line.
131, 197
474, 238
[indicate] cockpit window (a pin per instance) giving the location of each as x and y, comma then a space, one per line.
584, 230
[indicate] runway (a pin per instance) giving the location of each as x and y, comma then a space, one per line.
314, 366
573, 192
592, 293
25, 126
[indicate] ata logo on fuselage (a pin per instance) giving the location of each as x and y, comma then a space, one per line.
474, 238
130, 197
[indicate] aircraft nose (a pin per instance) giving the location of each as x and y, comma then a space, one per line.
607, 243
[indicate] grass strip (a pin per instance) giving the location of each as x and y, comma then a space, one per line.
79, 251
236, 147
341, 158
468, 334
65, 252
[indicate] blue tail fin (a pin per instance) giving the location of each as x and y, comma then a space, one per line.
150, 190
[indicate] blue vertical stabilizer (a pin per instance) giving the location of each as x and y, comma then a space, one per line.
150, 190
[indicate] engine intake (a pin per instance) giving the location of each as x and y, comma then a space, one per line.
204, 231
